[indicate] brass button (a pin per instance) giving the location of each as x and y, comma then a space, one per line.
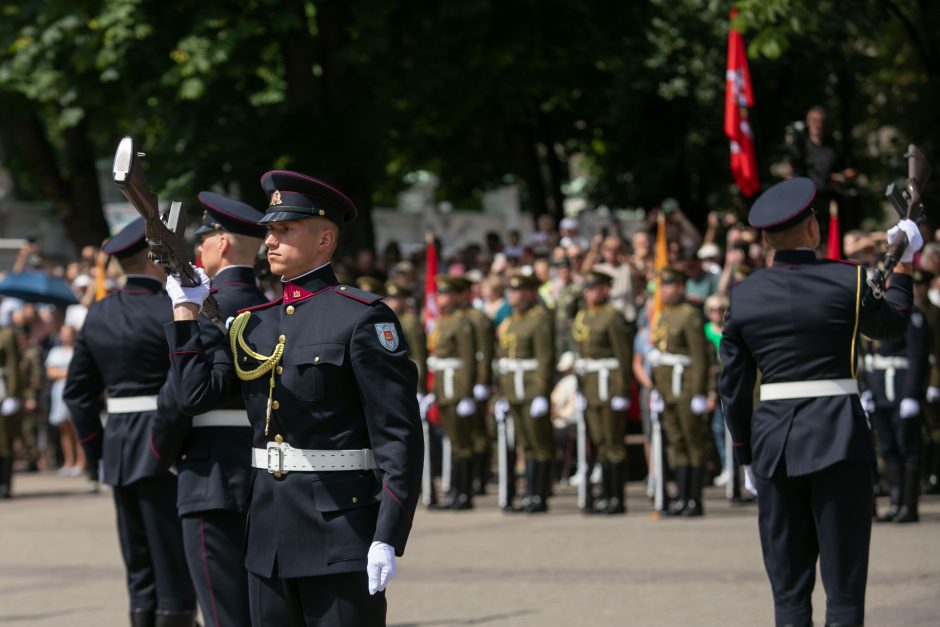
280, 369
290, 310
275, 405
322, 212
278, 438
282, 339
355, 500
277, 475
316, 359
245, 358
183, 457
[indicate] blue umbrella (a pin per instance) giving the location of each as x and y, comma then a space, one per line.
37, 287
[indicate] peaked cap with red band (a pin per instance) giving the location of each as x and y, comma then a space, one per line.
784, 205
225, 214
129, 241
294, 196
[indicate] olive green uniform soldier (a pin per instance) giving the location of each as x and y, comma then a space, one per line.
396, 297
9, 406
453, 361
604, 370
680, 374
484, 338
526, 364
932, 406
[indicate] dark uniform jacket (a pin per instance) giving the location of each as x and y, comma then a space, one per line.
214, 463
121, 349
798, 321
344, 382
910, 382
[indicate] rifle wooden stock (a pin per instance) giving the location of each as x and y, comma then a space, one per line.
167, 248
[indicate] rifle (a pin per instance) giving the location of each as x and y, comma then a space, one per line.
907, 201
164, 234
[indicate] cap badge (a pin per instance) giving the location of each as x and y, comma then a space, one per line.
275, 198
387, 334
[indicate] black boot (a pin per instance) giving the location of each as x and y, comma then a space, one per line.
694, 506
933, 477
464, 499
480, 473
451, 497
539, 498
908, 510
142, 618
599, 506
616, 503
175, 619
6, 476
893, 477
509, 508
682, 482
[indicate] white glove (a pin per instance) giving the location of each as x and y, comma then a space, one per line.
501, 409
699, 404
909, 408
195, 295
933, 394
750, 481
657, 404
10, 406
914, 239
481, 392
539, 407
380, 566
424, 404
581, 402
620, 403
868, 401
466, 407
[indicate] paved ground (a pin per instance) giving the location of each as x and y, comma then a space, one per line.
59, 564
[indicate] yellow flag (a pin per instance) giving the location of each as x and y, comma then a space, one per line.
660, 261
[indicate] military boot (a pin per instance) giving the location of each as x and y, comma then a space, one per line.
682, 483
907, 513
893, 477
6, 476
464, 482
480, 463
616, 502
599, 506
174, 619
542, 484
694, 506
142, 618
933, 477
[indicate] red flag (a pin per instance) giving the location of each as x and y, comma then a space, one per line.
431, 312
833, 244
738, 98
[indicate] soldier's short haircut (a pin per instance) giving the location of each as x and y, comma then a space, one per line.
136, 263
792, 237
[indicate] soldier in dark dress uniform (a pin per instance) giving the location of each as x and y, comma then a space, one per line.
526, 364
811, 449
330, 394
604, 368
122, 350
210, 450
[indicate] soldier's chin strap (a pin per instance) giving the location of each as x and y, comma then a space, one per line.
268, 362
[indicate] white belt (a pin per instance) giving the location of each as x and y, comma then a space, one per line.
808, 389
447, 365
222, 418
132, 404
677, 362
602, 367
518, 368
282, 458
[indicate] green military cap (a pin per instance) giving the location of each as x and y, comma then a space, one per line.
594, 278
523, 281
394, 290
670, 275
447, 284
370, 284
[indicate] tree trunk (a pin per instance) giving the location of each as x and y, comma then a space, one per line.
85, 221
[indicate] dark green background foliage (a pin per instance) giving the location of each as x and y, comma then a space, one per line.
481, 92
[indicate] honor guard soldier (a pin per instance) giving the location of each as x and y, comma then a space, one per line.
895, 380
484, 340
931, 461
330, 394
526, 363
209, 450
452, 346
9, 406
604, 370
797, 322
122, 351
680, 374
396, 297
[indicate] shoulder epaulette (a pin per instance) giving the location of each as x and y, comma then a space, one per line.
261, 306
357, 294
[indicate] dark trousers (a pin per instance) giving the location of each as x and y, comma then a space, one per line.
213, 542
826, 514
152, 545
899, 438
327, 601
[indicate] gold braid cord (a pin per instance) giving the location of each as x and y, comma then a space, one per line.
268, 362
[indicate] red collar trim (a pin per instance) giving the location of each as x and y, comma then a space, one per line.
293, 293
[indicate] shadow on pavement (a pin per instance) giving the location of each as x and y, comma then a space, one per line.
449, 622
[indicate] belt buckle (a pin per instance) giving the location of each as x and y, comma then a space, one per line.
275, 455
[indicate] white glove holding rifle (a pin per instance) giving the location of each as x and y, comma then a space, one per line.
194, 295
914, 239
